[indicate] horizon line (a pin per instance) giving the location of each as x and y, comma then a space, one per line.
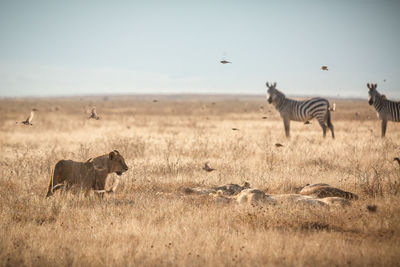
198, 94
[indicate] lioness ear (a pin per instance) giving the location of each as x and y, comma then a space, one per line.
111, 155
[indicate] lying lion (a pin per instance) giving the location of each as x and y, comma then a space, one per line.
324, 190
246, 196
91, 174
228, 189
256, 196
232, 189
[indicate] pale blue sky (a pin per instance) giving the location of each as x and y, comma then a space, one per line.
106, 47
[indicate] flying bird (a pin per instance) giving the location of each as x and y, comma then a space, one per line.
93, 114
207, 168
265, 117
324, 68
28, 120
278, 145
223, 60
235, 129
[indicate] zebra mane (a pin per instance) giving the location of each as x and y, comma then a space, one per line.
279, 93
383, 98
379, 95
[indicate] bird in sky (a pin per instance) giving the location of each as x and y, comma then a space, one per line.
225, 61
278, 145
324, 68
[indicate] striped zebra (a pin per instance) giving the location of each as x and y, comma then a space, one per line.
292, 110
386, 110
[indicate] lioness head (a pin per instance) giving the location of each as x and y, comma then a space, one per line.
117, 162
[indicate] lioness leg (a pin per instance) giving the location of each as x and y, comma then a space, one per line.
54, 181
100, 182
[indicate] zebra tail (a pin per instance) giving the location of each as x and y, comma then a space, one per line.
333, 108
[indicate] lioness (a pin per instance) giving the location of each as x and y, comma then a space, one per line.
229, 189
232, 189
325, 190
254, 196
88, 175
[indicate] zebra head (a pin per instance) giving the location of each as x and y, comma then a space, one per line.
271, 92
372, 93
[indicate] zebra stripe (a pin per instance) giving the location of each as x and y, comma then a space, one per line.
306, 110
387, 110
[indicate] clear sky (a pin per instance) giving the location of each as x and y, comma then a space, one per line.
121, 47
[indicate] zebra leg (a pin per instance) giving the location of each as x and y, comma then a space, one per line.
286, 122
323, 126
330, 125
384, 123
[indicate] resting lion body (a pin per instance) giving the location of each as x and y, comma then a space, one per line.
88, 175
325, 190
254, 196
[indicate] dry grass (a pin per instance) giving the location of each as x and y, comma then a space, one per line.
165, 144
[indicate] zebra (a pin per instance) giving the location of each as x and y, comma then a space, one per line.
386, 110
306, 110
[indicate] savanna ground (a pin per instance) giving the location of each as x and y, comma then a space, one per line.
149, 221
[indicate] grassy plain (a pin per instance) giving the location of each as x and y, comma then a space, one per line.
150, 221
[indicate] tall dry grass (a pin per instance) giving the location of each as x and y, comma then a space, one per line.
149, 221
